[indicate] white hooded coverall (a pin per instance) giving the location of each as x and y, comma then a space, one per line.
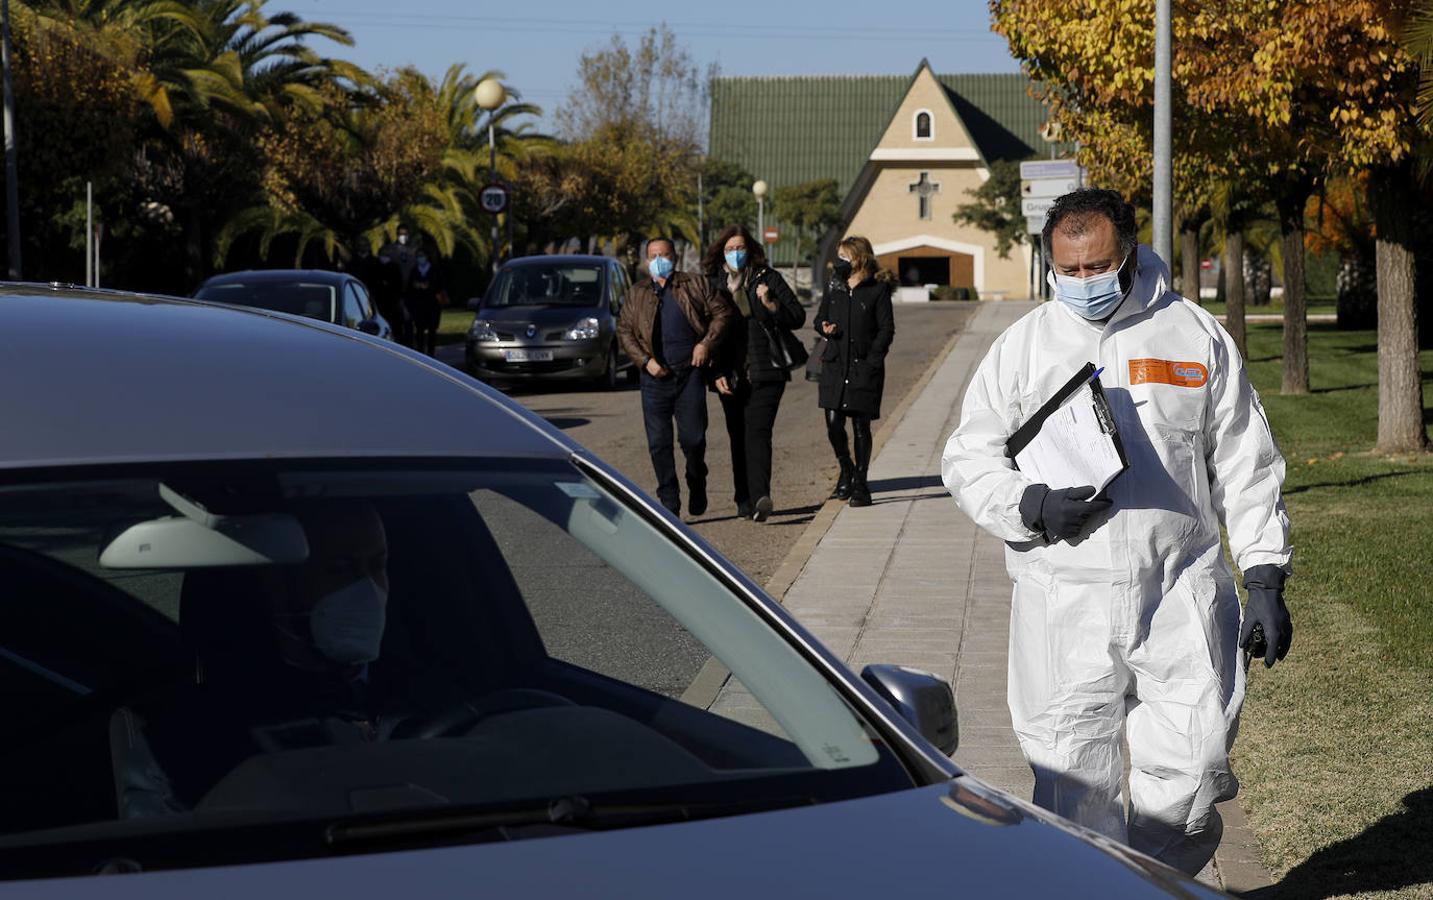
1136, 623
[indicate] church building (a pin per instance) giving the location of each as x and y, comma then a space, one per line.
905, 152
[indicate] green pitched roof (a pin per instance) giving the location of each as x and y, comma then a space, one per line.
794, 129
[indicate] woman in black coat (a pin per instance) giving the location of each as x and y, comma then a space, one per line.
858, 323
752, 366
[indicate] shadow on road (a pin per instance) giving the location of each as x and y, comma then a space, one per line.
908, 483
566, 422
1391, 854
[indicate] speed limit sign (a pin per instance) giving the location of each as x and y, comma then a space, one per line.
494, 199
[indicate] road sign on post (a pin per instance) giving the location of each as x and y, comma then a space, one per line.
494, 199
1049, 168
770, 235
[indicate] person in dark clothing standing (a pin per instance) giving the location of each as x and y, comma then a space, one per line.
399, 257
426, 299
671, 326
858, 323
752, 369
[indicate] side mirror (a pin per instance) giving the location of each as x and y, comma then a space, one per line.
921, 698
369, 326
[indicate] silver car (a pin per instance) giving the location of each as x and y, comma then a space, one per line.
551, 318
288, 608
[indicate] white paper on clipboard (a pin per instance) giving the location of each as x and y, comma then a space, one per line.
1073, 447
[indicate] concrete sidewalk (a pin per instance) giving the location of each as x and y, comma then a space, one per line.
911, 580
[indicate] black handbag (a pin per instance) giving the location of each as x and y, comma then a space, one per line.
813, 361
786, 350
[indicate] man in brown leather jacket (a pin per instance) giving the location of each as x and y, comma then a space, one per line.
671, 324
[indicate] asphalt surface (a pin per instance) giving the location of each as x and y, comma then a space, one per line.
804, 469
608, 627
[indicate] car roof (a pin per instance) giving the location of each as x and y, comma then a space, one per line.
558, 259
278, 276
96, 377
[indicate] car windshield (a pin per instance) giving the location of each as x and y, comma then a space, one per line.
210, 663
297, 298
546, 285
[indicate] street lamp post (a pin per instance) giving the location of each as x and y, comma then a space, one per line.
1163, 136
490, 95
759, 190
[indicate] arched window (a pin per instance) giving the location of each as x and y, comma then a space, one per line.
923, 126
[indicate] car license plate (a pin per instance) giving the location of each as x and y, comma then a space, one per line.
528, 355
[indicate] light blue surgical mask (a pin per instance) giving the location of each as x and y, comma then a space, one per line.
660, 267
736, 258
1094, 297
347, 624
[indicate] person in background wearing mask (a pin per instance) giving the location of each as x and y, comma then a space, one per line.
426, 299
753, 368
399, 257
323, 622
671, 325
858, 323
1125, 617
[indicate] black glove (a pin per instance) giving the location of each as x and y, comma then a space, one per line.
1060, 514
1267, 630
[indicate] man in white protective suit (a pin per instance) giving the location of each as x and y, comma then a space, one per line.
1125, 614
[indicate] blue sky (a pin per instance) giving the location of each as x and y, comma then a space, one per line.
537, 43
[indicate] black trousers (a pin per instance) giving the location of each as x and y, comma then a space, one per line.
750, 413
681, 396
860, 429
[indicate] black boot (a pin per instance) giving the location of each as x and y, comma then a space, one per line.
860, 492
843, 484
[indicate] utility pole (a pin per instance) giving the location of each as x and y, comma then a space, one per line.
12, 173
701, 219
1163, 136
89, 234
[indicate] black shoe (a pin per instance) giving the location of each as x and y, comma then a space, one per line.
843, 484
860, 491
762, 511
744, 509
696, 500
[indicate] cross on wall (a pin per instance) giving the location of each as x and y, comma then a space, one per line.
926, 189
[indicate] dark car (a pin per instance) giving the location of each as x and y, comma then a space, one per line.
255, 642
335, 297
551, 317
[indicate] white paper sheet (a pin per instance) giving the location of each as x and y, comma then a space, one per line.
1071, 449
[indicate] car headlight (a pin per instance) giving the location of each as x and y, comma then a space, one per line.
585, 330
482, 331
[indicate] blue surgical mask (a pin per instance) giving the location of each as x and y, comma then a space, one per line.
1094, 297
736, 258
660, 266
347, 624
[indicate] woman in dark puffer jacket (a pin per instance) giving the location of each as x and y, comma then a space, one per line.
858, 322
752, 365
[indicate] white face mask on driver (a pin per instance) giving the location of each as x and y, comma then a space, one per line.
347, 624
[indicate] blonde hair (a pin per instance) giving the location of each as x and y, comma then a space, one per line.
863, 257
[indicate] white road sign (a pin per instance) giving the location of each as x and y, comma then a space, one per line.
1048, 187
1049, 168
1035, 206
1034, 224
493, 199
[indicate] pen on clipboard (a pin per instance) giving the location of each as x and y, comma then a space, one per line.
1096, 376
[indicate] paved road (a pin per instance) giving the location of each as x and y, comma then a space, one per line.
610, 424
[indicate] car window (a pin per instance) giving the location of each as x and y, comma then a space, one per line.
540, 284
364, 301
618, 281
352, 306
314, 301
191, 645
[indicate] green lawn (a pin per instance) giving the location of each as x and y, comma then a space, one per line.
454, 325
1336, 743
1316, 306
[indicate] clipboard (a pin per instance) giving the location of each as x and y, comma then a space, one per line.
1110, 448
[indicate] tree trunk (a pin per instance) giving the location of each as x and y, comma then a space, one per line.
1400, 384
1234, 291
1189, 258
1296, 338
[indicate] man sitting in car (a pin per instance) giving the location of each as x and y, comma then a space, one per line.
282, 657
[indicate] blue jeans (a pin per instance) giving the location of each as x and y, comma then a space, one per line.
682, 396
